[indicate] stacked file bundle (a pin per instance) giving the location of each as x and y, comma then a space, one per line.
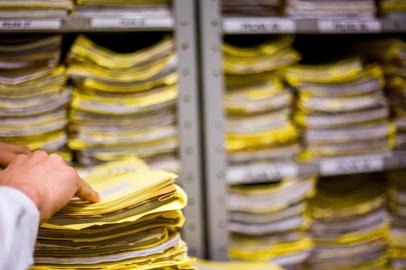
349, 227
342, 109
268, 222
397, 207
330, 9
258, 104
252, 8
32, 92
34, 8
391, 55
395, 9
134, 226
123, 104
130, 9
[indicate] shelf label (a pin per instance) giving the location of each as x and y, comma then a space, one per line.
235, 25
348, 26
252, 174
351, 165
140, 22
22, 24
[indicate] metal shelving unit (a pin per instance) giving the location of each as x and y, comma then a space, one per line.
183, 25
218, 176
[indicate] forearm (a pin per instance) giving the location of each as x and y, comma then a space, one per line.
19, 219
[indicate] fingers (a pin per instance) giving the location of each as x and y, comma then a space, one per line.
86, 192
8, 152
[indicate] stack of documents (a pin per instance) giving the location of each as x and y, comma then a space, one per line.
258, 104
391, 55
349, 227
268, 222
213, 265
330, 9
394, 9
32, 92
123, 103
134, 226
342, 109
13, 9
252, 8
124, 8
397, 207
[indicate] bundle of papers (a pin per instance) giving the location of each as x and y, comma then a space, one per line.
252, 8
134, 226
391, 55
213, 265
124, 8
13, 9
268, 222
349, 226
124, 103
395, 9
258, 104
33, 95
397, 208
329, 9
342, 109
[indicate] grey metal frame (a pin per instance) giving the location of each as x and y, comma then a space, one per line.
188, 124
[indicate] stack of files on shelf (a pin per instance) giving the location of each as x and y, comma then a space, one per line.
391, 55
342, 109
258, 104
213, 265
349, 226
395, 9
397, 208
330, 9
134, 226
252, 8
124, 103
34, 8
268, 222
33, 95
123, 8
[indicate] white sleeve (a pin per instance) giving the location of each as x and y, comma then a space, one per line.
19, 219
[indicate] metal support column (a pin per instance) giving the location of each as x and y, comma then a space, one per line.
188, 124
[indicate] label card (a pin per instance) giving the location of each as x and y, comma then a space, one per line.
349, 26
351, 165
22, 24
261, 173
140, 22
258, 25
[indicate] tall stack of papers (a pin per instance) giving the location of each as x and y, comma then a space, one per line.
395, 9
342, 109
32, 92
258, 104
330, 9
124, 103
123, 8
268, 222
134, 226
397, 207
34, 8
252, 8
391, 55
349, 225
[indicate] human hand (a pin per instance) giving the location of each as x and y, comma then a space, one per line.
8, 152
47, 181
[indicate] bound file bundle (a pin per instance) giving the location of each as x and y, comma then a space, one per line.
130, 9
258, 104
32, 92
123, 103
252, 8
330, 9
13, 9
134, 226
268, 222
391, 55
397, 208
342, 109
349, 226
